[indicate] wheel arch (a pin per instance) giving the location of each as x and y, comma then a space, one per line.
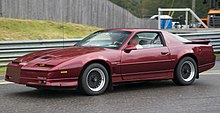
105, 64
191, 55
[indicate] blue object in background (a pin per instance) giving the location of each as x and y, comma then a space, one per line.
166, 23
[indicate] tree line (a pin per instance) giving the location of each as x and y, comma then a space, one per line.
147, 8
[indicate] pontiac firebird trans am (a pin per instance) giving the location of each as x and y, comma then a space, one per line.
113, 56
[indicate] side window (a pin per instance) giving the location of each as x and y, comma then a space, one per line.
150, 39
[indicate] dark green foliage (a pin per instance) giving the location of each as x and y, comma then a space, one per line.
147, 8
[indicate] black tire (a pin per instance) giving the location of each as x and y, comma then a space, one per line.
94, 79
185, 72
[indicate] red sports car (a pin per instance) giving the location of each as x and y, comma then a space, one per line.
113, 56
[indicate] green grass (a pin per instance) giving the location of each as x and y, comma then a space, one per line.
23, 29
2, 70
218, 55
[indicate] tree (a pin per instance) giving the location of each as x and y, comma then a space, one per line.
147, 8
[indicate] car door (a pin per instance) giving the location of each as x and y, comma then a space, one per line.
152, 61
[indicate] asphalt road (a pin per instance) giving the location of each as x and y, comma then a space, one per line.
148, 97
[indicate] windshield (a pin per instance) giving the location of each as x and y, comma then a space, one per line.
107, 39
180, 38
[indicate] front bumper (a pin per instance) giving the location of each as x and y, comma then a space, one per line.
61, 82
39, 78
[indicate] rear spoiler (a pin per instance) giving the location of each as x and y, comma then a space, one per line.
198, 42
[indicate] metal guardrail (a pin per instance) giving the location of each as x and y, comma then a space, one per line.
10, 50
213, 37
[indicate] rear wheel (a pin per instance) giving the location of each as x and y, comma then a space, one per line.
185, 72
94, 80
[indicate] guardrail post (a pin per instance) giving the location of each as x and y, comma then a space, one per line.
186, 21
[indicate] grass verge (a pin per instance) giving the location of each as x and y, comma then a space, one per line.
23, 29
2, 71
218, 55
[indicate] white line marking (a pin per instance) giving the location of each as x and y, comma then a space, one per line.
4, 82
209, 74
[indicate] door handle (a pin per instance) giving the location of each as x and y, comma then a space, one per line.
164, 53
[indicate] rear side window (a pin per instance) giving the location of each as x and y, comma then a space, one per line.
150, 39
181, 39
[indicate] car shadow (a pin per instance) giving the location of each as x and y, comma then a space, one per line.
144, 85
121, 88
34, 93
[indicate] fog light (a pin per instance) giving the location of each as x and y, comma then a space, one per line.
43, 81
7, 77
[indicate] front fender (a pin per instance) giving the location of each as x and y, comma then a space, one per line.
79, 62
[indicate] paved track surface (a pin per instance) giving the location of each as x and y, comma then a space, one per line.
148, 97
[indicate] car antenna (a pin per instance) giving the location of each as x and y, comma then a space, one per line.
63, 33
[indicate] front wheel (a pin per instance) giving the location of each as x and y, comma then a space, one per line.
185, 72
94, 80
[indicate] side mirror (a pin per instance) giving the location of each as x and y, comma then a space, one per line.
129, 48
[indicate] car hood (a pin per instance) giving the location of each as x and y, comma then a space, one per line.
56, 56
71, 52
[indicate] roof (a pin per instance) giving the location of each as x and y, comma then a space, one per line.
212, 11
161, 17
